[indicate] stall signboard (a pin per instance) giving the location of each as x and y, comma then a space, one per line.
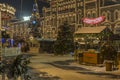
91, 58
94, 20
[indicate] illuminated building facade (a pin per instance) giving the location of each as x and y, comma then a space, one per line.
108, 8
60, 11
20, 29
74, 10
7, 14
25, 29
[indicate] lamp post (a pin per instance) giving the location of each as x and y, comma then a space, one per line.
21, 8
0, 37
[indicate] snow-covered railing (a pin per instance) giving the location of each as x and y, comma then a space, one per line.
11, 51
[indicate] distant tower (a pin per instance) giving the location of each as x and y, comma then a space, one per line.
35, 9
35, 21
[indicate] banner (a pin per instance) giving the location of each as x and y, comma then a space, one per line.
93, 20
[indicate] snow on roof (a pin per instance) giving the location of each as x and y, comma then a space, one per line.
85, 30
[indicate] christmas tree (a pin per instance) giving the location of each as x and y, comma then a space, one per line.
35, 22
64, 43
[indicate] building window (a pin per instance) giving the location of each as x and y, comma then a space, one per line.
109, 26
72, 19
93, 15
108, 16
117, 29
116, 15
88, 15
104, 14
80, 17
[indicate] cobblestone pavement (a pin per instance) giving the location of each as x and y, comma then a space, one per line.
49, 67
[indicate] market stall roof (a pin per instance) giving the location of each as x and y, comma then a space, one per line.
88, 30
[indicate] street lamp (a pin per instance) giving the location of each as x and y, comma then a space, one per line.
0, 37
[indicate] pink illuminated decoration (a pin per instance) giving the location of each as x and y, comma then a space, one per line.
93, 20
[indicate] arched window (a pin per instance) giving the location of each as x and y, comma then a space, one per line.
88, 14
108, 15
73, 19
117, 28
93, 14
116, 15
108, 25
104, 14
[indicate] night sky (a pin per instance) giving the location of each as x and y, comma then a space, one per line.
26, 8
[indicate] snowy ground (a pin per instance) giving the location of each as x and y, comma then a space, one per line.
49, 67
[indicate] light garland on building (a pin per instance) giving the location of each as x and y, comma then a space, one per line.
7, 8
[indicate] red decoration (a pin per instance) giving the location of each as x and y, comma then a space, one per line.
93, 20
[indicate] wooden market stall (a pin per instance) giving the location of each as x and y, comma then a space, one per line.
89, 40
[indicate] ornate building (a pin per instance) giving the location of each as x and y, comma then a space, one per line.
60, 11
25, 29
108, 8
7, 14
74, 10
20, 29
29, 30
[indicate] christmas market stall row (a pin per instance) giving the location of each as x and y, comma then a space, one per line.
89, 42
